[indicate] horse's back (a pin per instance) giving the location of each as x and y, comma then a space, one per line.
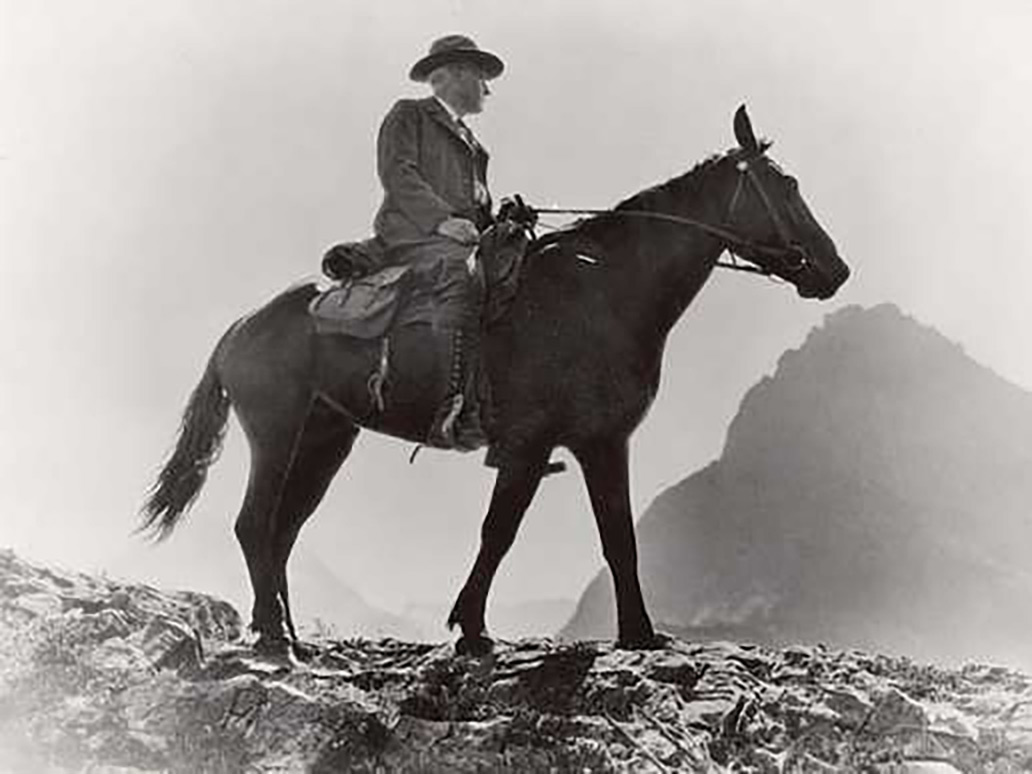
275, 359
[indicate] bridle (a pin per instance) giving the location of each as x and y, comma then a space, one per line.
790, 256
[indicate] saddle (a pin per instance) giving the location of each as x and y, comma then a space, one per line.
379, 304
366, 302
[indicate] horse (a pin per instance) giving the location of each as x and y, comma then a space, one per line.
574, 363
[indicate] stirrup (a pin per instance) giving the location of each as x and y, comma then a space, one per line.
443, 433
448, 423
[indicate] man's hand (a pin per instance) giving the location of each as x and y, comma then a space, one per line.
459, 229
518, 211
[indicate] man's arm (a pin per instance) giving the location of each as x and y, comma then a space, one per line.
397, 151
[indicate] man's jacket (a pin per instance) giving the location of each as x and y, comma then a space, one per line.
428, 172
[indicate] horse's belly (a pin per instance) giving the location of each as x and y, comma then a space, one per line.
392, 385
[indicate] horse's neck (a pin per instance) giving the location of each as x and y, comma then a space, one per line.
672, 262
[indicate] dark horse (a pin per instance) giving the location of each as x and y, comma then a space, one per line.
574, 363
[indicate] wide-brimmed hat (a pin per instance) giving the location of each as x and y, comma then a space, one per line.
456, 48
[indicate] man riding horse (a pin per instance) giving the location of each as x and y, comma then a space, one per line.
436, 203
573, 361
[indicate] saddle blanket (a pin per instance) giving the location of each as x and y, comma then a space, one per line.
430, 292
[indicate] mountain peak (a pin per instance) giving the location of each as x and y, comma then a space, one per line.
876, 387
872, 338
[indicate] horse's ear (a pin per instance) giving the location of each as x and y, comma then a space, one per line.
744, 131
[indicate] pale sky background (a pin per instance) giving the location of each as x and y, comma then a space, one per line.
168, 166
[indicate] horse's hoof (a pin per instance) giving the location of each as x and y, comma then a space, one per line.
476, 647
651, 641
273, 647
303, 652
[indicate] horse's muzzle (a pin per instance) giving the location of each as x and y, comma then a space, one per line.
820, 282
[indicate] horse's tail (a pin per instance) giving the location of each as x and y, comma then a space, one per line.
200, 440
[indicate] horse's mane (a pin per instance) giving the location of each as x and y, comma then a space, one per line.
681, 187
684, 189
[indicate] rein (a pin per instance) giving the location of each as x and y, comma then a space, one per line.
733, 243
723, 234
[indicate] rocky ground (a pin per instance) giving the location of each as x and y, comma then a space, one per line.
98, 676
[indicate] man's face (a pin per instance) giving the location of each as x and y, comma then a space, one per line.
468, 88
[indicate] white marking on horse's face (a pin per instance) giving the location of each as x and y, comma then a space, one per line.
587, 259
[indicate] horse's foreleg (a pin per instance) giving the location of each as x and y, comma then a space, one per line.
605, 472
514, 488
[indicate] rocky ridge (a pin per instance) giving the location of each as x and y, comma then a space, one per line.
103, 676
207, 557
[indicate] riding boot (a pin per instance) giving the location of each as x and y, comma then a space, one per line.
458, 423
470, 432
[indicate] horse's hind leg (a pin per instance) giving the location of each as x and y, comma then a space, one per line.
325, 442
514, 489
273, 422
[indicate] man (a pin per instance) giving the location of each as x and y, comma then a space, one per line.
433, 170
436, 203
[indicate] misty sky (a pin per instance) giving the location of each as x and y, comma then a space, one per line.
168, 166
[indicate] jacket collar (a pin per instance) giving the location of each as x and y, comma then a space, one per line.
447, 108
433, 106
